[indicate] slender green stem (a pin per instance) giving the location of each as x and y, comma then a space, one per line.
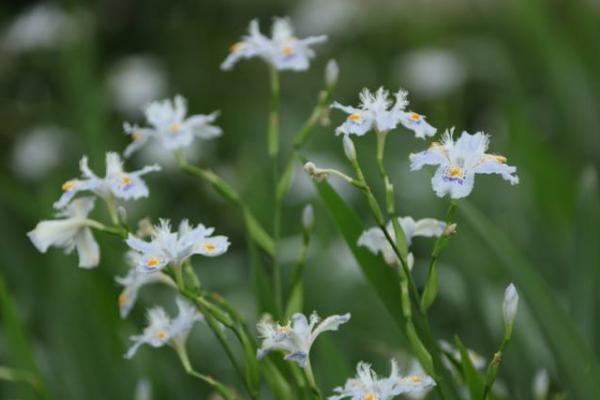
494, 366
310, 378
273, 151
296, 285
227, 393
107, 229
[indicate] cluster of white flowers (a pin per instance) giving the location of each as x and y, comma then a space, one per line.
170, 125
368, 386
377, 111
282, 50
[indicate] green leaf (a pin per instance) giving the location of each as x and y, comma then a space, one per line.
472, 378
286, 178
431, 288
18, 346
258, 234
383, 278
573, 357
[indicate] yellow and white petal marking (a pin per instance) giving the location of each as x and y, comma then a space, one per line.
69, 186
414, 117
174, 128
455, 172
236, 47
136, 135
152, 262
417, 380
355, 117
162, 334
208, 247
126, 180
370, 396
123, 299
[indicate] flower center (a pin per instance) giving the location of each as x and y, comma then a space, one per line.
126, 180
414, 116
152, 262
287, 50
162, 334
234, 48
416, 379
174, 127
136, 136
209, 247
354, 117
455, 172
69, 185
123, 298
500, 159
370, 396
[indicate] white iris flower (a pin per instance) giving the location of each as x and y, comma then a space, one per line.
459, 161
375, 240
380, 112
71, 232
171, 126
168, 247
133, 282
162, 330
283, 50
117, 182
296, 338
368, 386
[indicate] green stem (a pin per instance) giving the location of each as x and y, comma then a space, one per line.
106, 229
227, 393
296, 285
273, 151
310, 378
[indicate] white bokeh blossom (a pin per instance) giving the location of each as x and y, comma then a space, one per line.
459, 161
71, 232
162, 330
283, 50
116, 182
167, 247
374, 239
368, 386
134, 281
296, 337
378, 111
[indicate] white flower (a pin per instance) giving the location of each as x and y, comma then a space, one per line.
368, 386
134, 81
39, 151
43, 26
283, 50
171, 126
332, 72
459, 161
118, 183
377, 111
163, 330
297, 337
375, 240
168, 247
133, 282
308, 217
71, 232
509, 305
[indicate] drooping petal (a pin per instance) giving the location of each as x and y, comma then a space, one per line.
435, 155
418, 124
87, 248
495, 165
455, 187
212, 246
331, 323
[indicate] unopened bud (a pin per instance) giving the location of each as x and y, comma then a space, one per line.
509, 308
122, 213
332, 72
349, 148
450, 230
315, 173
308, 217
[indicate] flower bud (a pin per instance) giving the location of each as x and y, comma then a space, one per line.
349, 148
332, 72
308, 217
509, 307
450, 230
540, 385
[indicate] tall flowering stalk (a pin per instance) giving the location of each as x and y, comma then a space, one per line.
160, 254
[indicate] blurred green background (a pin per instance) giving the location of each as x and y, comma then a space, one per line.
525, 71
